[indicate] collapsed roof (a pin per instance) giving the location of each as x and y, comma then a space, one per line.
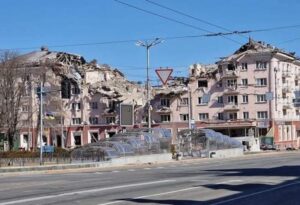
202, 71
252, 47
74, 67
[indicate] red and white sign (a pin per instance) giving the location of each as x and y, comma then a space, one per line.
164, 74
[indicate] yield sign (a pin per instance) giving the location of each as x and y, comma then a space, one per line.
164, 74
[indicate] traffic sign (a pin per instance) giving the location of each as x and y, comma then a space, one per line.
164, 74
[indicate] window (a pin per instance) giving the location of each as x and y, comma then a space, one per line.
244, 66
203, 116
110, 120
184, 101
261, 98
165, 118
184, 117
262, 115
231, 83
76, 121
284, 95
296, 82
261, 65
75, 90
230, 67
245, 98
246, 115
93, 105
202, 83
220, 99
219, 84
112, 105
75, 106
232, 116
284, 112
232, 99
261, 81
220, 116
25, 108
245, 82
165, 102
200, 101
297, 112
93, 120
283, 80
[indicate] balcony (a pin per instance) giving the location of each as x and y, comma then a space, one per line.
286, 104
287, 88
163, 109
297, 76
232, 89
231, 107
286, 74
230, 74
109, 112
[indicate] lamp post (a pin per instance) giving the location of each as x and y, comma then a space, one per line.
41, 122
148, 45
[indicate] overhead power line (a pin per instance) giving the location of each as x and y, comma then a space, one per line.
196, 18
163, 38
176, 21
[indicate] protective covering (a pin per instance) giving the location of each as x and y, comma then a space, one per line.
198, 142
132, 142
93, 153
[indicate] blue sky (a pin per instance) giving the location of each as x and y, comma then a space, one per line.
32, 23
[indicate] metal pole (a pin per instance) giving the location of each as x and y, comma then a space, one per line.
148, 45
41, 123
62, 132
189, 108
148, 89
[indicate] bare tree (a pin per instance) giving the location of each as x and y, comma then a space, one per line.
13, 83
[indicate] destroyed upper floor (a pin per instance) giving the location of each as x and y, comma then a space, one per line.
74, 71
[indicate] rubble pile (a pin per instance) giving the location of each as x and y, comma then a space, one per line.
74, 67
176, 86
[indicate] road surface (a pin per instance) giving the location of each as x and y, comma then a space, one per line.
253, 179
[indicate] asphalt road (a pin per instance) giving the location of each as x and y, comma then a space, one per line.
253, 179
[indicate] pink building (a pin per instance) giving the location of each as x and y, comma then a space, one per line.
82, 103
253, 94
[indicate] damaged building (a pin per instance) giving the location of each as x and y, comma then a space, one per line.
252, 94
81, 100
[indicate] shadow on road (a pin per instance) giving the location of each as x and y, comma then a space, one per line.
286, 192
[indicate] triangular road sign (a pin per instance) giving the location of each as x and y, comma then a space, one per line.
164, 74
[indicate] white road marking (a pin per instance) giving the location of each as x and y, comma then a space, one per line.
98, 173
115, 171
230, 181
83, 192
147, 168
153, 195
131, 170
256, 193
159, 167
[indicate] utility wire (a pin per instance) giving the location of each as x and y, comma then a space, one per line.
176, 21
194, 18
163, 38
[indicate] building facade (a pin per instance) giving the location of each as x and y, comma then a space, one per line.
253, 92
80, 101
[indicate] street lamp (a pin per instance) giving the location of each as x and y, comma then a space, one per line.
148, 45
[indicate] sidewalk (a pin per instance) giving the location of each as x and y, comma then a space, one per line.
132, 160
121, 162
